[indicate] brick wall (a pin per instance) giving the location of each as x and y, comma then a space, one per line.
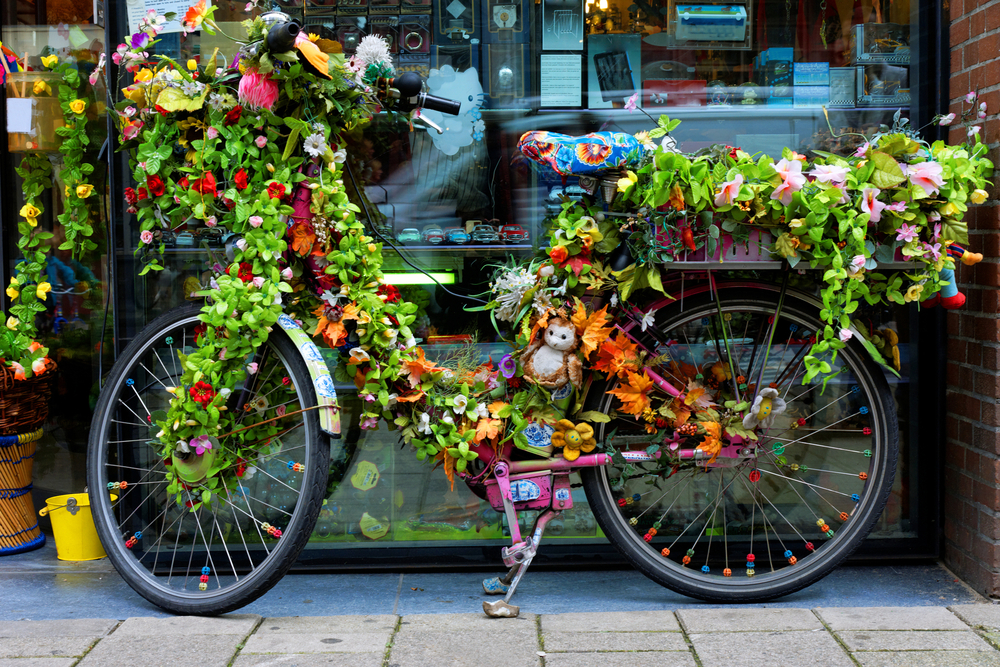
972, 450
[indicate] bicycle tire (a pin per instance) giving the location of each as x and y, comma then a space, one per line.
614, 508
256, 561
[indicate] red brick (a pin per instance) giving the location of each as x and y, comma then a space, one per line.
987, 552
955, 457
972, 467
955, 8
987, 328
952, 375
958, 86
977, 25
988, 384
993, 17
989, 526
985, 439
990, 413
966, 378
959, 33
991, 355
957, 350
953, 322
987, 74
988, 468
965, 432
974, 297
971, 53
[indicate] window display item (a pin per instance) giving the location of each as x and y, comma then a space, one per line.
842, 87
415, 34
880, 43
506, 21
670, 93
562, 25
590, 154
507, 76
812, 74
611, 60
811, 96
456, 22
711, 23
513, 234
882, 86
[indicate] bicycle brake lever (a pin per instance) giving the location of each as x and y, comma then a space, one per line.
428, 121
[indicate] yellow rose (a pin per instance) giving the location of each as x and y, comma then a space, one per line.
949, 210
77, 106
42, 289
12, 323
627, 182
41, 88
12, 291
144, 75
978, 196
83, 191
192, 65
67, 191
50, 61
137, 95
913, 294
30, 211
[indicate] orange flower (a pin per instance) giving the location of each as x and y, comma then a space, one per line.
558, 254
194, 16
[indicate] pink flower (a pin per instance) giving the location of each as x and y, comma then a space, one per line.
974, 130
871, 205
280, 411
630, 102
862, 149
252, 368
261, 141
201, 444
241, 244
256, 221
258, 281
933, 250
257, 91
971, 96
729, 191
792, 180
146, 237
211, 133
927, 175
210, 221
947, 120
286, 273
369, 424
828, 173
907, 233
845, 335
128, 112
898, 207
131, 131
222, 352
937, 231
933, 216
858, 262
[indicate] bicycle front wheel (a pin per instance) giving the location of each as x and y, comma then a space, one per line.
213, 558
776, 514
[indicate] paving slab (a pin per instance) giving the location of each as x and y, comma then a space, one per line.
748, 620
617, 621
613, 641
646, 659
411, 648
230, 624
986, 616
310, 660
322, 642
83, 627
914, 640
927, 659
315, 624
37, 662
171, 651
890, 618
44, 647
467, 622
769, 649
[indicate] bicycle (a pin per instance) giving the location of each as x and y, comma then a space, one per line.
779, 483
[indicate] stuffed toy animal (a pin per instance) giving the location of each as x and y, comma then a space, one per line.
552, 362
949, 297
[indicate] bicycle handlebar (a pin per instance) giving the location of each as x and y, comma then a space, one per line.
434, 103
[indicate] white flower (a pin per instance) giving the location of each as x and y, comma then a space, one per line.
461, 403
649, 319
974, 130
614, 300
340, 156
183, 447
373, 49
547, 270
424, 425
773, 407
509, 289
393, 398
482, 411
241, 244
410, 342
314, 145
448, 419
358, 355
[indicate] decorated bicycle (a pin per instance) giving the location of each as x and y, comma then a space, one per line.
735, 435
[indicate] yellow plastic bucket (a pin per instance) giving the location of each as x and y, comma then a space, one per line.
73, 527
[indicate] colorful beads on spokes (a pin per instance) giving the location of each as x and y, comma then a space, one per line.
117, 485
296, 467
270, 530
727, 572
132, 541
665, 552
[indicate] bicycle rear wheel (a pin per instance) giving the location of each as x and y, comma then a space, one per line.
791, 506
217, 557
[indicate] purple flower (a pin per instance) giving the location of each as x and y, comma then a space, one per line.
139, 40
898, 207
201, 444
508, 366
370, 424
933, 250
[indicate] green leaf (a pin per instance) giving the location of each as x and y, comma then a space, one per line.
887, 173
594, 416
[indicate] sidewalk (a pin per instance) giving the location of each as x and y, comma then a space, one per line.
960, 636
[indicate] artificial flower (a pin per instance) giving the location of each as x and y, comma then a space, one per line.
630, 103
12, 290
261, 141
829, 173
649, 319
907, 233
83, 191
862, 149
971, 96
50, 61
871, 205
978, 196
792, 180
845, 335
728, 191
42, 289
38, 366
573, 438
974, 130
18, 369
913, 293
424, 424
194, 16
314, 145
461, 403
202, 392
766, 406
201, 444
41, 88
257, 91
205, 185
146, 236
275, 190
928, 175
12, 323
156, 185
508, 366
144, 75
241, 180
233, 116
256, 221
625, 183
947, 119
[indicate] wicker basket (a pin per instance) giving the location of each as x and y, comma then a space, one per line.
24, 404
19, 529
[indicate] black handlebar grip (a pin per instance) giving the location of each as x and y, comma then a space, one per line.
439, 104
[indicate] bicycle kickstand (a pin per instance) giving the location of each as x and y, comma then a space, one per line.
518, 558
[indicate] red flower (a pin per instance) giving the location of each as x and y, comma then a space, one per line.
163, 112
205, 185
155, 185
392, 294
184, 182
244, 272
202, 393
233, 116
276, 190
130, 196
141, 194
240, 178
732, 151
229, 203
200, 330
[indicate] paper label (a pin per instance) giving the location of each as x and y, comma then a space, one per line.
561, 80
366, 476
137, 11
19, 111
372, 528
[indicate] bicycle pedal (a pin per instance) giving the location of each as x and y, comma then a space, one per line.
494, 586
500, 609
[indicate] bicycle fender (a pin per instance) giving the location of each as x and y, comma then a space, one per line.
326, 393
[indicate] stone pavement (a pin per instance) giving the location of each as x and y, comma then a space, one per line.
966, 635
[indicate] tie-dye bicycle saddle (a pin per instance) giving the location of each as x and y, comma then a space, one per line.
589, 154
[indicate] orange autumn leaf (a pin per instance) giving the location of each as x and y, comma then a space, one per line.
410, 398
712, 444
417, 366
487, 429
540, 323
333, 332
580, 317
302, 239
677, 198
359, 379
633, 395
449, 468
593, 330
495, 407
616, 356
693, 395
